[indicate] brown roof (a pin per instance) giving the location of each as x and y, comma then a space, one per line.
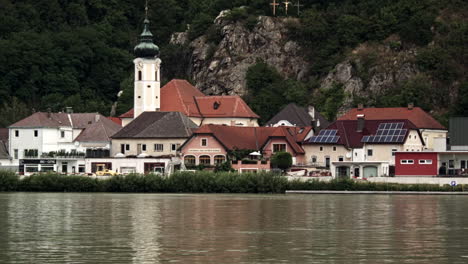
42, 119
299, 116
255, 138
350, 137
158, 125
116, 120
99, 131
181, 96
416, 115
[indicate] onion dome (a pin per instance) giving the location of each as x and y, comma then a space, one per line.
146, 48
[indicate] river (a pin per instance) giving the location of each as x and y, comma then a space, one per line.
169, 228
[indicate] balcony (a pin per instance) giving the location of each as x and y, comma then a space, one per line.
63, 155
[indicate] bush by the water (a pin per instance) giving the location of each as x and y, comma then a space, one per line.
197, 182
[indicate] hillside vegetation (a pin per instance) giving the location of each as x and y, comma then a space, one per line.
57, 53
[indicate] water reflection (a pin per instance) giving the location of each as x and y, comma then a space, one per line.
132, 228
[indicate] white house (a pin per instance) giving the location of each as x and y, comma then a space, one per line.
59, 141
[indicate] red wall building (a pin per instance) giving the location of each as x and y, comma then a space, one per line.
416, 164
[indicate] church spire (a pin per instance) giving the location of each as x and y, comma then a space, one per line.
146, 48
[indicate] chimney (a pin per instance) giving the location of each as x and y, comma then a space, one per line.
49, 113
361, 123
311, 111
410, 106
69, 110
97, 118
360, 107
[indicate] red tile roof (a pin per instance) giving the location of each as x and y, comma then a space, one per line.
351, 138
416, 115
181, 96
255, 138
129, 114
116, 120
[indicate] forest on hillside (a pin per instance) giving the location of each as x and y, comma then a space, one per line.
78, 53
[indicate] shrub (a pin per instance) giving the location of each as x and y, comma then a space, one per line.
8, 181
282, 160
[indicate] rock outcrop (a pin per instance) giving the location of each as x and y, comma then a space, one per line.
220, 68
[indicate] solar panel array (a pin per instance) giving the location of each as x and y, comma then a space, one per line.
326, 136
387, 133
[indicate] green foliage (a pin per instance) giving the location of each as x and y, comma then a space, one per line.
329, 100
461, 107
13, 111
268, 92
199, 26
282, 160
9, 181
224, 167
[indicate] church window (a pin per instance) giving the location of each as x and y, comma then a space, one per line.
156, 76
140, 75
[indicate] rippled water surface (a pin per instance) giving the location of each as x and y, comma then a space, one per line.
146, 228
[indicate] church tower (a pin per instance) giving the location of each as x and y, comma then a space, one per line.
147, 89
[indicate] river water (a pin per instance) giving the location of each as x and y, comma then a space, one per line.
147, 228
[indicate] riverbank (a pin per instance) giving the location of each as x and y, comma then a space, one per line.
201, 182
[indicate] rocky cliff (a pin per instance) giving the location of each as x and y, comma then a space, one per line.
220, 68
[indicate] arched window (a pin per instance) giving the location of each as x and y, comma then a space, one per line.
205, 160
140, 75
219, 159
189, 160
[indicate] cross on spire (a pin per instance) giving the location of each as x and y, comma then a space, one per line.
274, 4
146, 10
286, 4
298, 5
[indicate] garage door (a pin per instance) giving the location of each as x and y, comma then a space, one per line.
370, 172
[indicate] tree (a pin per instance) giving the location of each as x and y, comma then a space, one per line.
12, 112
282, 160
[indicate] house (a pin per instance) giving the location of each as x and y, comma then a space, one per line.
147, 144
179, 95
458, 133
362, 148
212, 145
430, 129
59, 141
293, 115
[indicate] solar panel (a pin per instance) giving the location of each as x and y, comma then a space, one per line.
387, 133
326, 136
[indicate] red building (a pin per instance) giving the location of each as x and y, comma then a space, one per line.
416, 164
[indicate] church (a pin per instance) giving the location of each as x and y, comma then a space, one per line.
179, 95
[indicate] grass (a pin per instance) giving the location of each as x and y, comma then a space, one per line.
198, 182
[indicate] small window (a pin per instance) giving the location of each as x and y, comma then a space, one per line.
174, 147
16, 133
149, 86
340, 158
140, 75
425, 162
393, 151
314, 159
143, 147
81, 168
62, 134
158, 147
321, 148
36, 133
407, 161
334, 148
204, 142
279, 148
16, 153
127, 147
156, 76
370, 152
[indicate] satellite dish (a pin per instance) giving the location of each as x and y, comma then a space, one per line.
349, 155
119, 155
142, 155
